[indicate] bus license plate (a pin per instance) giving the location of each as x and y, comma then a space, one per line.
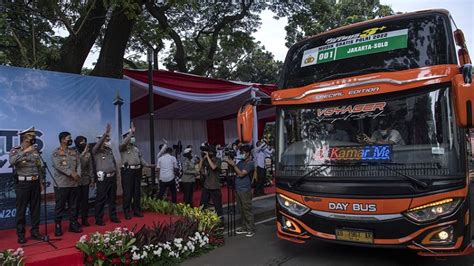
355, 236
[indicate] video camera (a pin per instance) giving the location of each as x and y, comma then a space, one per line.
206, 147
229, 152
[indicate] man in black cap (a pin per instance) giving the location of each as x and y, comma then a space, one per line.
86, 180
66, 164
210, 166
27, 165
106, 168
132, 164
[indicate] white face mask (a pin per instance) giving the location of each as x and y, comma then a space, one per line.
383, 132
108, 144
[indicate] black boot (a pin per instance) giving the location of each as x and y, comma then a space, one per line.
36, 236
115, 220
127, 215
21, 239
75, 227
58, 231
85, 222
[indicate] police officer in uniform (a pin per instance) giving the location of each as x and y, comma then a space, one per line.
66, 164
106, 170
86, 180
132, 164
30, 176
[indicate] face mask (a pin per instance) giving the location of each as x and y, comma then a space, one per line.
81, 147
132, 140
33, 141
108, 144
69, 142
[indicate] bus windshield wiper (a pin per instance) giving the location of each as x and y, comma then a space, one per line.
318, 169
358, 72
409, 177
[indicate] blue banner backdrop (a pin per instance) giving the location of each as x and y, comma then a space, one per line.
52, 102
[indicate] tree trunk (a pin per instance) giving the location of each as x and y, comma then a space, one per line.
110, 62
76, 48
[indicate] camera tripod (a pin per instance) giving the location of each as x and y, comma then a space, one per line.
45, 170
230, 182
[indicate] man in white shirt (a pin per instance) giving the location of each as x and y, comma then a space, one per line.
166, 166
262, 151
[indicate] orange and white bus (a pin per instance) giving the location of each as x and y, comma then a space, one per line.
372, 136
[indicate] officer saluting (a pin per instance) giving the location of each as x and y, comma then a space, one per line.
66, 167
28, 167
132, 163
106, 170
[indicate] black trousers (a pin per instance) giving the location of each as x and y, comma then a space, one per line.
63, 196
172, 187
83, 201
188, 191
215, 196
27, 193
131, 185
106, 193
260, 186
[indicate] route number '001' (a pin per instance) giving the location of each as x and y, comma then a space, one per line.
325, 55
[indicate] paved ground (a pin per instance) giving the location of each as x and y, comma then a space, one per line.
266, 249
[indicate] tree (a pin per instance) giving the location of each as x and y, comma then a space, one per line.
321, 15
196, 29
117, 34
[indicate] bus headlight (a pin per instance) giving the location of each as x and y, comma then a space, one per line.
432, 211
292, 206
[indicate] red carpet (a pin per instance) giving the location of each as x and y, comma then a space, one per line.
43, 254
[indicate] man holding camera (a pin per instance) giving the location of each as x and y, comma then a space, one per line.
210, 166
243, 187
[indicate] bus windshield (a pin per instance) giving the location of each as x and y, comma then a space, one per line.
390, 45
415, 134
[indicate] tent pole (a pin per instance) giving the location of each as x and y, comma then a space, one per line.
255, 119
151, 111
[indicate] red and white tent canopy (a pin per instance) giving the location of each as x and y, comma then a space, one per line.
180, 96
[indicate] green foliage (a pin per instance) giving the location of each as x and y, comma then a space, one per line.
322, 15
208, 220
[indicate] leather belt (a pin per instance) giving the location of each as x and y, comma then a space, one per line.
27, 178
110, 174
132, 166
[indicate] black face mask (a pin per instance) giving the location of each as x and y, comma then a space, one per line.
81, 147
33, 141
69, 142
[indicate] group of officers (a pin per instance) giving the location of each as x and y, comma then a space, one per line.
75, 169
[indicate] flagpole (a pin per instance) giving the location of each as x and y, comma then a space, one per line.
151, 111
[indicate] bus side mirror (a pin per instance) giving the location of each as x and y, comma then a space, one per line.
463, 101
245, 123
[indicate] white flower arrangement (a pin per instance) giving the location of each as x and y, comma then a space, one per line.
175, 249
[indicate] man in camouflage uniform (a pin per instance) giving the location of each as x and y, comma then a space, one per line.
86, 180
30, 176
66, 166
132, 164
106, 170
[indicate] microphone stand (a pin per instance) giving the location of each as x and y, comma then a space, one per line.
45, 170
